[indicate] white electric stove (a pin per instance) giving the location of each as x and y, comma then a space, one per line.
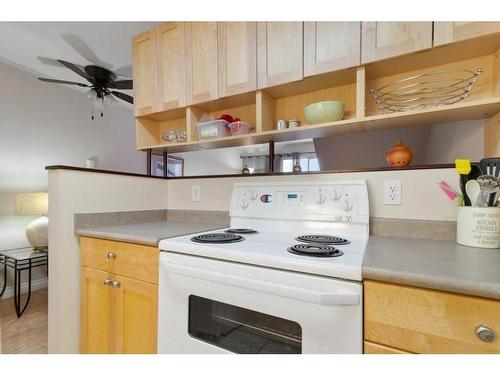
284, 278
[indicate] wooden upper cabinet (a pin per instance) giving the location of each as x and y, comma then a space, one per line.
144, 72
330, 46
171, 64
237, 62
279, 53
96, 313
382, 40
201, 62
448, 32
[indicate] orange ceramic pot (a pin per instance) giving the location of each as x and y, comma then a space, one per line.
399, 155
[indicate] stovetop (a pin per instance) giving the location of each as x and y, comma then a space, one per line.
271, 249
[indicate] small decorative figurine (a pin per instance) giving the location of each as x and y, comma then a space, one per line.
399, 155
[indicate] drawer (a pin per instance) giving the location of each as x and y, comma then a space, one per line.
372, 348
135, 261
427, 321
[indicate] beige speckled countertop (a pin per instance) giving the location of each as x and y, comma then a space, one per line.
440, 265
149, 233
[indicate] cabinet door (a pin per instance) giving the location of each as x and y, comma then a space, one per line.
144, 72
448, 32
330, 46
237, 62
279, 53
96, 313
382, 40
136, 316
201, 62
171, 64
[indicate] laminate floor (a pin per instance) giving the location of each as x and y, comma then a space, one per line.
27, 334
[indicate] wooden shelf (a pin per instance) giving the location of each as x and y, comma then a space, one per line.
468, 110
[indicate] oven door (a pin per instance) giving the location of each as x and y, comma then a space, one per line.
212, 306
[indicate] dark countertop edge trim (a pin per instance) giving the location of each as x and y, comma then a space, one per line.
234, 175
450, 285
93, 170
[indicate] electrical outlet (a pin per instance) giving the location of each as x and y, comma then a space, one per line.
392, 192
195, 193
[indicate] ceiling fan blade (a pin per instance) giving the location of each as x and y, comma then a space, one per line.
124, 71
74, 68
123, 96
53, 62
123, 85
63, 82
79, 45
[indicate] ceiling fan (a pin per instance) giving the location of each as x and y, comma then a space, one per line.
102, 84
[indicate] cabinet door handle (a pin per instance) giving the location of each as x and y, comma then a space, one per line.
108, 282
116, 284
484, 333
111, 255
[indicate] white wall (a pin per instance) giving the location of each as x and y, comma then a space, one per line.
73, 192
421, 196
44, 124
456, 140
436, 144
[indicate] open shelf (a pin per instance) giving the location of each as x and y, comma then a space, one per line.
468, 110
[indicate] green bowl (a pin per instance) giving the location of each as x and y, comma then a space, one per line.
321, 112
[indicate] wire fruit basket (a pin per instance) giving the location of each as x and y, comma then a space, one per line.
426, 90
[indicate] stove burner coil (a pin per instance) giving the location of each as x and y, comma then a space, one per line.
217, 238
241, 231
320, 251
322, 239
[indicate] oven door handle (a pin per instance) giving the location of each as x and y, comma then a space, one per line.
342, 298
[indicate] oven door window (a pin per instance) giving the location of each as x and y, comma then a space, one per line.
241, 330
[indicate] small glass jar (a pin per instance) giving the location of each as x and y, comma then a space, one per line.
293, 123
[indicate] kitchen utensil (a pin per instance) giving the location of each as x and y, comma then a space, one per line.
463, 168
321, 112
474, 173
490, 166
425, 90
489, 185
399, 155
281, 124
451, 193
293, 123
473, 190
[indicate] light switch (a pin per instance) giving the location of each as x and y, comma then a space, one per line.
195, 193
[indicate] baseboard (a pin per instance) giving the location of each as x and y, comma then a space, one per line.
35, 285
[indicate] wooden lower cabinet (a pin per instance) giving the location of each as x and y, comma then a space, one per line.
96, 313
136, 316
427, 321
118, 311
373, 348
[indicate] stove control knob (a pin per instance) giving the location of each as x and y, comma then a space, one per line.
320, 197
336, 194
244, 203
348, 204
253, 195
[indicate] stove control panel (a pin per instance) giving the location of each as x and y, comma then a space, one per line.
343, 201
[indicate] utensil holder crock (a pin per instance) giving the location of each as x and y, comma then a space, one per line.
478, 226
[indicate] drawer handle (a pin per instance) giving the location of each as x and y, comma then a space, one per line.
116, 284
108, 282
484, 333
111, 255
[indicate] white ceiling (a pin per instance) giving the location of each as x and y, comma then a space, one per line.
108, 44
